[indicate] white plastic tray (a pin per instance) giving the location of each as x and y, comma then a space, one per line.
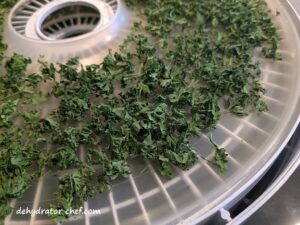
190, 197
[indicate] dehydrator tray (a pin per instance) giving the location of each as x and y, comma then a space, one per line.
190, 197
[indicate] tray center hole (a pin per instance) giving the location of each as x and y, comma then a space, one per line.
70, 21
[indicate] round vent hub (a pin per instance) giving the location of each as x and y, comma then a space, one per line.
61, 29
62, 19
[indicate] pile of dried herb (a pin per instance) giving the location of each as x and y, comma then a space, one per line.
164, 86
